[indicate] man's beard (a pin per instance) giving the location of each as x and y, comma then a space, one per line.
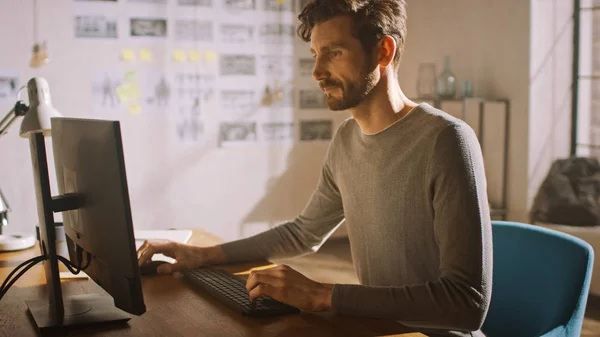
353, 93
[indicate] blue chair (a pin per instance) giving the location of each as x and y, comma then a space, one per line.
541, 280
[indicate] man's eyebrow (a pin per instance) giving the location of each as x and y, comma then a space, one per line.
329, 47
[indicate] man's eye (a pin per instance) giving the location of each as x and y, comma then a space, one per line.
335, 53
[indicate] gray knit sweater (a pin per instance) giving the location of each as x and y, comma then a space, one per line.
413, 197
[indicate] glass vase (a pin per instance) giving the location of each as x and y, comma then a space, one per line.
446, 81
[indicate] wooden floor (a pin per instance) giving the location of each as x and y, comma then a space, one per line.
335, 255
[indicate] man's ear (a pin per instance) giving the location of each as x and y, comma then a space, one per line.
387, 50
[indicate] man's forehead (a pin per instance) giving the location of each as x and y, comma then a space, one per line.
334, 31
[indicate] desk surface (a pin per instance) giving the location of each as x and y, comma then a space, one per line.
174, 308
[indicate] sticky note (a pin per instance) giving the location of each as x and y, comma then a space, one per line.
281, 1
194, 56
210, 56
128, 91
128, 55
135, 108
130, 76
179, 55
146, 55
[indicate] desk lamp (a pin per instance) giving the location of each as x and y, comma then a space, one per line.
36, 117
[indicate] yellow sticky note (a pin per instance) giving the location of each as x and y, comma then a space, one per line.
281, 1
135, 108
146, 55
130, 76
128, 55
194, 56
128, 91
210, 56
179, 55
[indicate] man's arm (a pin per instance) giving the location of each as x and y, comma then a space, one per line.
459, 298
321, 216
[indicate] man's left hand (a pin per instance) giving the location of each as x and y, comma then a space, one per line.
286, 285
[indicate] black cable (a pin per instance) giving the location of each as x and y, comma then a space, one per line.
32, 262
76, 269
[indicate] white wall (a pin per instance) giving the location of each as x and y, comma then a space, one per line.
550, 77
234, 192
489, 44
230, 191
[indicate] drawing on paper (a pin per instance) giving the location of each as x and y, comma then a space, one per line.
159, 90
190, 86
241, 131
235, 6
95, 26
148, 27
194, 30
203, 3
276, 65
278, 131
238, 100
9, 87
315, 130
152, 2
306, 66
190, 127
278, 5
237, 65
104, 92
276, 33
312, 99
236, 33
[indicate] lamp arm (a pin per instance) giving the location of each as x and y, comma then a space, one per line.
20, 109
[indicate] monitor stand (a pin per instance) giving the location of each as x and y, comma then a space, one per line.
74, 310
77, 310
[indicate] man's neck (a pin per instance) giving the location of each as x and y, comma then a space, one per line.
385, 105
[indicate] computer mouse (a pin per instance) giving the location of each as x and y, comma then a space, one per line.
150, 268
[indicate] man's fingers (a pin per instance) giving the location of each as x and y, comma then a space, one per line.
261, 277
155, 248
142, 249
265, 290
169, 268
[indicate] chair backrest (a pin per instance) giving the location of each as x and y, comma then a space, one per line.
541, 280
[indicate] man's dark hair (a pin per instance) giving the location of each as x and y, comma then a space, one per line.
371, 20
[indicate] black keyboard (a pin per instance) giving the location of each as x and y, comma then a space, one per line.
231, 290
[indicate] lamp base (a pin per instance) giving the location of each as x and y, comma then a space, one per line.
16, 241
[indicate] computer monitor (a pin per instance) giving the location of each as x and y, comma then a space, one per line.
94, 199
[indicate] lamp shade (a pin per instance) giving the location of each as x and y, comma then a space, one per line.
40, 110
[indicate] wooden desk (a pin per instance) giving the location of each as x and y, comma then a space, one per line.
174, 308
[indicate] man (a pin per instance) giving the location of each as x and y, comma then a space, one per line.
407, 179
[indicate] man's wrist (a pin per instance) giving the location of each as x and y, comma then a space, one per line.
326, 296
214, 255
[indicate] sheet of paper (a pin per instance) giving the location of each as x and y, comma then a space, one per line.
9, 86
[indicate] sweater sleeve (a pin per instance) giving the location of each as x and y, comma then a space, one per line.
459, 298
319, 219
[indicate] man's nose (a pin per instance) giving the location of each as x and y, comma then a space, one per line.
319, 72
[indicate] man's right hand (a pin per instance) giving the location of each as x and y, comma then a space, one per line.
186, 256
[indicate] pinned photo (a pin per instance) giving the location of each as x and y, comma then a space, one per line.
237, 65
236, 33
312, 99
95, 26
237, 132
316, 130
148, 27
194, 30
